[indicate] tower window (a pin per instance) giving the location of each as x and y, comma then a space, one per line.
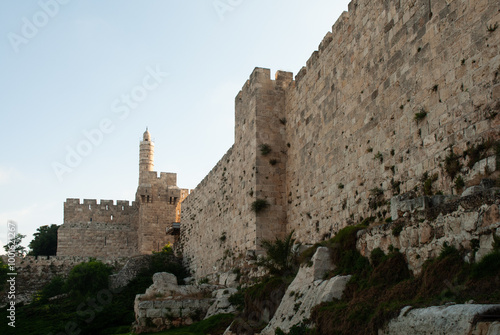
90, 207
111, 217
107, 207
123, 208
90, 219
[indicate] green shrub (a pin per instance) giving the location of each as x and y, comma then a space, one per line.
427, 182
88, 278
447, 250
265, 149
377, 256
238, 300
344, 252
397, 229
55, 287
488, 266
452, 165
259, 205
420, 115
478, 152
4, 269
280, 257
166, 250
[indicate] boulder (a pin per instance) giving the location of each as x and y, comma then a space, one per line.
307, 290
444, 320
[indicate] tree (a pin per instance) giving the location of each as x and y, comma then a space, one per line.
15, 245
45, 241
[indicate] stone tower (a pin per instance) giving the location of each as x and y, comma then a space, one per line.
146, 156
159, 201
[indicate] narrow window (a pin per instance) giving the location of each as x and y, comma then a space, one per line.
123, 208
90, 219
111, 217
107, 207
104, 240
90, 208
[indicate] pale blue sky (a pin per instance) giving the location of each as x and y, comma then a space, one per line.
68, 69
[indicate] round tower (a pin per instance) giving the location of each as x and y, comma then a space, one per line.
146, 156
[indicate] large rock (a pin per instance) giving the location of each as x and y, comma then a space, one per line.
445, 320
221, 304
167, 304
307, 290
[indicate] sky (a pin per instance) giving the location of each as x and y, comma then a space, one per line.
80, 80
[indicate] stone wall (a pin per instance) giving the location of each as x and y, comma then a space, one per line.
98, 229
218, 224
35, 272
468, 223
96, 240
390, 93
104, 211
351, 114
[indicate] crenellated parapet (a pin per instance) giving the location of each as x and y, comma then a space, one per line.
102, 211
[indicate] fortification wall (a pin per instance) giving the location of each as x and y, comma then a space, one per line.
104, 211
98, 229
35, 272
218, 225
390, 93
351, 114
97, 240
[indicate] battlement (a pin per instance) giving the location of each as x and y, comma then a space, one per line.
109, 203
163, 179
262, 76
102, 211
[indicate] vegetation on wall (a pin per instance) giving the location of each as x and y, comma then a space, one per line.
259, 205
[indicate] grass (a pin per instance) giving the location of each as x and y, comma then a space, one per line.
214, 325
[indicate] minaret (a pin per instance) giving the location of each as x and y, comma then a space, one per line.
146, 157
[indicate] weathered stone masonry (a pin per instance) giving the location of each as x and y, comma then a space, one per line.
346, 126
107, 230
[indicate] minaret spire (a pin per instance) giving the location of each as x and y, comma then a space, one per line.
146, 156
